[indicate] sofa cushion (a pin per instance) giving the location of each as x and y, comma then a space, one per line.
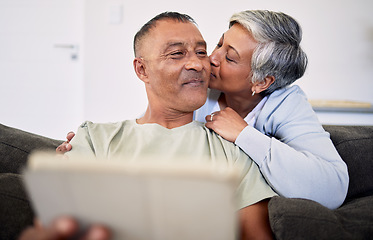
355, 146
306, 219
15, 146
15, 210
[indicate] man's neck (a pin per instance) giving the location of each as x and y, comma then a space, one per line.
166, 118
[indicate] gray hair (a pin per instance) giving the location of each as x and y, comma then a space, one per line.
152, 23
278, 52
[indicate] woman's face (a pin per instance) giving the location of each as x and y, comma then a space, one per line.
231, 61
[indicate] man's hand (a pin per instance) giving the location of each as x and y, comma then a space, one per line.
63, 228
65, 146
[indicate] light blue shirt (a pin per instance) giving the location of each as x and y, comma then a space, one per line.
292, 150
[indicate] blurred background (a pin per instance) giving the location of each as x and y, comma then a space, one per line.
66, 61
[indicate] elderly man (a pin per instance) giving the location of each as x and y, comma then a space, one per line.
171, 60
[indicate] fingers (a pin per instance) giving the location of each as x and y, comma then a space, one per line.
97, 232
212, 116
70, 136
65, 146
64, 228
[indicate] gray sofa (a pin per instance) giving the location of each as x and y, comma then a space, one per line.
289, 218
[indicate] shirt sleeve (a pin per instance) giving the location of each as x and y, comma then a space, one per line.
82, 143
296, 155
253, 187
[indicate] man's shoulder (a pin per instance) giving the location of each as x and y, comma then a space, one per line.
92, 126
216, 139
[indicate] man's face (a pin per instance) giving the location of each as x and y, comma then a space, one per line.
176, 65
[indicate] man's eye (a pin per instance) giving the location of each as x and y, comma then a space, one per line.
176, 53
202, 53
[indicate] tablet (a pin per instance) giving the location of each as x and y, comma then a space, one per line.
137, 200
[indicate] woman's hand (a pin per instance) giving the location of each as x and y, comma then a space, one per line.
227, 123
65, 146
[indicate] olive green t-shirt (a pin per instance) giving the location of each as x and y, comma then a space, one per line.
192, 142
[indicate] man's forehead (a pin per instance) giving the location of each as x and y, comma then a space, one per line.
174, 28
175, 33
169, 33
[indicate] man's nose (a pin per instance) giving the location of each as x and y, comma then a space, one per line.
195, 63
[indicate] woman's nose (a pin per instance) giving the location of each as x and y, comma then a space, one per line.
214, 59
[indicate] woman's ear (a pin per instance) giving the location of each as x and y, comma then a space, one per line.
259, 87
140, 69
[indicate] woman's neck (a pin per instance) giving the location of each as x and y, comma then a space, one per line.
242, 105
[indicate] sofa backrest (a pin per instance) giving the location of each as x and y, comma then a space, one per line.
355, 146
16, 145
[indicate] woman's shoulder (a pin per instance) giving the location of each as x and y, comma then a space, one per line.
286, 105
289, 91
285, 97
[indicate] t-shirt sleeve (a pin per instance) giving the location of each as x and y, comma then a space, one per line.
253, 187
82, 143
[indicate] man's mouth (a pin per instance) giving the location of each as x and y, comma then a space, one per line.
194, 82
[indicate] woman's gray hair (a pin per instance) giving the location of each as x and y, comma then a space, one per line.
278, 52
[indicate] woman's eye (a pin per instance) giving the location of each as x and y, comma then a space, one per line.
229, 59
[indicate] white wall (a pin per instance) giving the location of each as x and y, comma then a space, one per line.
40, 85
338, 38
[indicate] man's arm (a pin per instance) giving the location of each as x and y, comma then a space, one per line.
254, 221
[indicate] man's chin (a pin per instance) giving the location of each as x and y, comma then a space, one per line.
198, 103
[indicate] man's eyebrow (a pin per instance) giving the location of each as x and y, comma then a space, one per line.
177, 44
170, 45
173, 44
202, 43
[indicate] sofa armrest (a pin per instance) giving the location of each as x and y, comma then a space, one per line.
16, 212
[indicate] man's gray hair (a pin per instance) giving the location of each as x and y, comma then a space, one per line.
278, 52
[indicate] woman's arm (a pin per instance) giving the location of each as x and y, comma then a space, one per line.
308, 166
292, 150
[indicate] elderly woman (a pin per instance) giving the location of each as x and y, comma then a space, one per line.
252, 104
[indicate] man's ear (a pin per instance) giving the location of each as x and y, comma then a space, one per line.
259, 87
140, 69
